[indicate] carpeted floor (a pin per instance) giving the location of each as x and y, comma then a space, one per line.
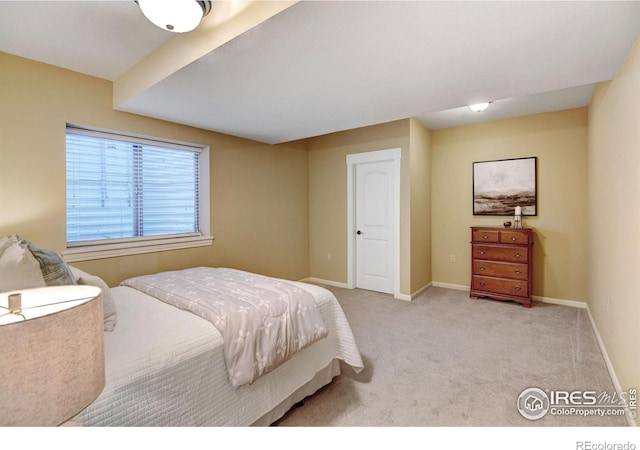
447, 360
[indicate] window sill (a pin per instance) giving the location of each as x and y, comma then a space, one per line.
90, 252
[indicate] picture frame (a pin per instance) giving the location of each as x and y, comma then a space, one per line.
501, 185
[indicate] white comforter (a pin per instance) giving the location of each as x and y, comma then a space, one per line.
264, 321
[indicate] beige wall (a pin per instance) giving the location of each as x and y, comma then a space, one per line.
420, 159
259, 213
328, 196
559, 141
614, 218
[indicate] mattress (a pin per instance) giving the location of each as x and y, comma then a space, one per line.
165, 367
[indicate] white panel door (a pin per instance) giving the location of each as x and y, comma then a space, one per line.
374, 226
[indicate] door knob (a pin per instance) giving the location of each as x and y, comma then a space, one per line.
358, 232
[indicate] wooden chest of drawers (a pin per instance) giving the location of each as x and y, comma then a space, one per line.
502, 264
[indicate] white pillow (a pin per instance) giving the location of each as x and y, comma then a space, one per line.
7, 241
19, 269
110, 313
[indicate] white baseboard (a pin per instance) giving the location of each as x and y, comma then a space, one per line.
409, 298
537, 298
421, 290
327, 282
559, 301
404, 297
610, 369
457, 287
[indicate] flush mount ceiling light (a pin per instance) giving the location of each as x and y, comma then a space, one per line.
178, 16
479, 107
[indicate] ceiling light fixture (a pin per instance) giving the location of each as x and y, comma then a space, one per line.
479, 107
178, 16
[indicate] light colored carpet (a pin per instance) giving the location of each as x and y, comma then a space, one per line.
447, 360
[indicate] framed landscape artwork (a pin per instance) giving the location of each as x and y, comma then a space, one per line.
499, 186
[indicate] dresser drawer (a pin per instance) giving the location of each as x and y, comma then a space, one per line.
500, 269
501, 253
486, 236
514, 237
517, 288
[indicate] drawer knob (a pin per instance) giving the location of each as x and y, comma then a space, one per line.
484, 236
514, 238
482, 252
518, 255
482, 283
518, 272
518, 288
482, 268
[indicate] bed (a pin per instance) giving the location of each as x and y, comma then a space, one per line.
165, 367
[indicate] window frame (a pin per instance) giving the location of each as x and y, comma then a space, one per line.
108, 248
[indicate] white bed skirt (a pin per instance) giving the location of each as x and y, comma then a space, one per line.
321, 379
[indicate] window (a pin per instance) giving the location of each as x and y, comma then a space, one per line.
128, 195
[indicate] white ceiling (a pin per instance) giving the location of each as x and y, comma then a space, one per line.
321, 67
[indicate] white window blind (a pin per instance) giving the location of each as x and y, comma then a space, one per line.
123, 188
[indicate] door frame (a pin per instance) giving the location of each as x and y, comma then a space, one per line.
353, 160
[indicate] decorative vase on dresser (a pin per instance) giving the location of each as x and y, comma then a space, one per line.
502, 264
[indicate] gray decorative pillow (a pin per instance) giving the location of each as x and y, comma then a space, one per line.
55, 270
